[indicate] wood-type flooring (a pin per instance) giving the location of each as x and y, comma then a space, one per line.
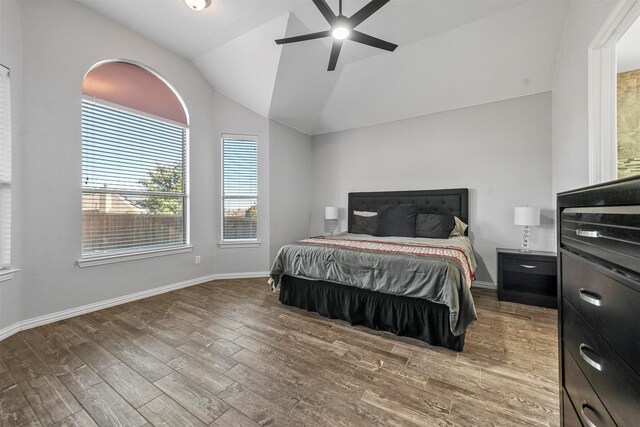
227, 353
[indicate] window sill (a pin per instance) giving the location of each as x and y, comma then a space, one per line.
8, 274
239, 244
111, 259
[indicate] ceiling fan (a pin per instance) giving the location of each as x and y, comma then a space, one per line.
343, 28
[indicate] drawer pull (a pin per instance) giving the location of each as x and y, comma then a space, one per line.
528, 266
589, 422
595, 365
588, 233
590, 298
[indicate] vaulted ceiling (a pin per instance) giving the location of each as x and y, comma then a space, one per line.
451, 54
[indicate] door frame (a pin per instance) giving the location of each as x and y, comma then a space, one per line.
603, 152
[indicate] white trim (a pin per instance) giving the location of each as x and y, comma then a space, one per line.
9, 330
77, 311
113, 258
230, 244
483, 285
602, 91
8, 274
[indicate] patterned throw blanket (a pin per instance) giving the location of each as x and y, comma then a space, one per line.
439, 271
398, 248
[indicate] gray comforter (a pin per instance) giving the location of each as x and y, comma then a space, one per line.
438, 270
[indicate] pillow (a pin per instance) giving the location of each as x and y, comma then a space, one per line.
434, 226
365, 224
397, 220
459, 228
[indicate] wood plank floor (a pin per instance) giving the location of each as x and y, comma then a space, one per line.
227, 353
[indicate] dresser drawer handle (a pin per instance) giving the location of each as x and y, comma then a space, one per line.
595, 365
528, 266
589, 422
588, 233
590, 298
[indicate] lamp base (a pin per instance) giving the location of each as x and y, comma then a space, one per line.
332, 226
525, 240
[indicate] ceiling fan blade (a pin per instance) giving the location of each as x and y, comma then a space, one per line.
335, 52
359, 37
366, 11
304, 37
325, 10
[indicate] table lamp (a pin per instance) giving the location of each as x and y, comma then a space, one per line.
331, 214
526, 216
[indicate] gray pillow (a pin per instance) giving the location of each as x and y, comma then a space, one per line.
434, 226
365, 225
397, 221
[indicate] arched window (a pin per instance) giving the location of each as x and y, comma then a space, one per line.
134, 164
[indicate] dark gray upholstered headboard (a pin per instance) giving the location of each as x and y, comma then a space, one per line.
452, 201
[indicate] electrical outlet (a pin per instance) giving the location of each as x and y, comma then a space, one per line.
197, 259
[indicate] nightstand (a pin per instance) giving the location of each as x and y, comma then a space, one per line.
528, 278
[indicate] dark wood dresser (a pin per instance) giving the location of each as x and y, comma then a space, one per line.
599, 304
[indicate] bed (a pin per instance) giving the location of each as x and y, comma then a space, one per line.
410, 286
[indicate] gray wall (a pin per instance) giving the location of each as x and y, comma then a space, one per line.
570, 134
290, 167
11, 56
61, 40
500, 151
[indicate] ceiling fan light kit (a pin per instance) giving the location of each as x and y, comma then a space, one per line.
343, 28
198, 5
340, 33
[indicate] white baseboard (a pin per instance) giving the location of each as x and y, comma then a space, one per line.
9, 330
484, 285
77, 311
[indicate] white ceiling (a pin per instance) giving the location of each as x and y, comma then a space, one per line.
451, 54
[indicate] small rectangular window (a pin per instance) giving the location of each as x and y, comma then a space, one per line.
134, 173
5, 169
239, 188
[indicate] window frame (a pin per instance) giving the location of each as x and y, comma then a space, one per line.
7, 272
239, 243
151, 252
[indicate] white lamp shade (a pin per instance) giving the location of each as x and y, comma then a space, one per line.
527, 215
330, 212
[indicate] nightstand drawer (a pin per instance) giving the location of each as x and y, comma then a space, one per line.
529, 266
604, 369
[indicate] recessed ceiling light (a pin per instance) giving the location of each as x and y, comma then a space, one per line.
198, 4
340, 33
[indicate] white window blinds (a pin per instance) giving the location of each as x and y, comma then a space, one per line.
133, 181
5, 169
239, 188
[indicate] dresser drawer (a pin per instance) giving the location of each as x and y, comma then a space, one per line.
617, 385
607, 304
570, 416
529, 266
611, 233
589, 408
